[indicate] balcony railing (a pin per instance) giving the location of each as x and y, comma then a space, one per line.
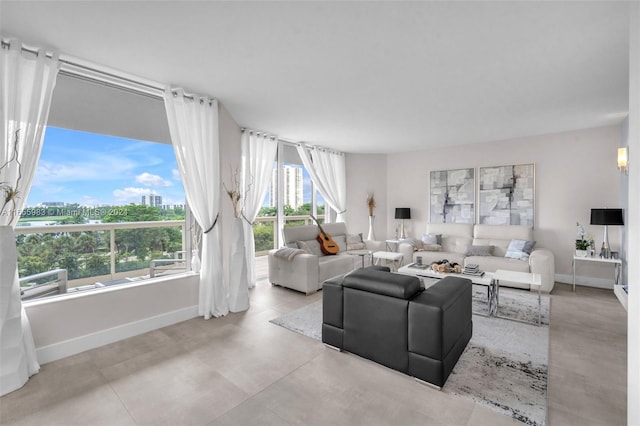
57, 281
41, 284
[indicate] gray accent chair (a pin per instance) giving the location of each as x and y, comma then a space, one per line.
389, 319
306, 272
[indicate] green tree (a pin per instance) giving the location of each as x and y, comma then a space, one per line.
133, 213
263, 235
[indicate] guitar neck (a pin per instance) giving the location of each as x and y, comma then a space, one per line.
318, 224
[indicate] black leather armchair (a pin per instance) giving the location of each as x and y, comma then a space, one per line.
389, 319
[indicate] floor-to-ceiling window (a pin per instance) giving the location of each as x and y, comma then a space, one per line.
291, 199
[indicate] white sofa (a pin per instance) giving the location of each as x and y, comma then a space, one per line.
457, 238
306, 272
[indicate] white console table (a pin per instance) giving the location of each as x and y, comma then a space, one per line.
617, 266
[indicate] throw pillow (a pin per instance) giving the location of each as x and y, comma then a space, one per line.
520, 249
432, 239
409, 241
479, 251
310, 246
431, 247
354, 242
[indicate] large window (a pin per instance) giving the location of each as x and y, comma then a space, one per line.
290, 201
106, 206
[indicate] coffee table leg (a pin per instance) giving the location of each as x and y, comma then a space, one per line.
493, 298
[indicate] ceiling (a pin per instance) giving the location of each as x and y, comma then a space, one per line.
365, 77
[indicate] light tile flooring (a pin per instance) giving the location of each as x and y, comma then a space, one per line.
242, 370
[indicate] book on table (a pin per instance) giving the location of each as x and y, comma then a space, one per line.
473, 269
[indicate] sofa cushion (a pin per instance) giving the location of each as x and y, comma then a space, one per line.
500, 236
310, 246
432, 239
354, 242
341, 241
474, 250
330, 266
520, 249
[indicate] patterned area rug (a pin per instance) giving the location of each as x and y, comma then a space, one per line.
505, 365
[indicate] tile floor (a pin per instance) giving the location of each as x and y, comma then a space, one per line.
243, 370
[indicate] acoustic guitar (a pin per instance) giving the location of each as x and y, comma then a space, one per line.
327, 245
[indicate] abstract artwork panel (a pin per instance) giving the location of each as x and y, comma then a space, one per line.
452, 196
507, 195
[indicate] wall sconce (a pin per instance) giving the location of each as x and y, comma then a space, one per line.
623, 160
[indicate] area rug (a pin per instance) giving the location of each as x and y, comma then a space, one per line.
504, 367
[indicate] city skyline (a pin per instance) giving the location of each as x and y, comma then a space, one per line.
90, 169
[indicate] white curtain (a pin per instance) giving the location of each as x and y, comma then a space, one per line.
193, 125
28, 80
258, 155
329, 175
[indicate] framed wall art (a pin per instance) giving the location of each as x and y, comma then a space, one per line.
452, 196
507, 195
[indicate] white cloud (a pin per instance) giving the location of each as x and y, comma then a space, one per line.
131, 195
147, 179
176, 174
100, 167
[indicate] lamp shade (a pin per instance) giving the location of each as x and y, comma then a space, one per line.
607, 217
403, 213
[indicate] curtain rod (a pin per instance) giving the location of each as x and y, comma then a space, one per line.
6, 45
154, 91
270, 135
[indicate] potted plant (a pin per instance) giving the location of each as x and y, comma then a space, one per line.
582, 247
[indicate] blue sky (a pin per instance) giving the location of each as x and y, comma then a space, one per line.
92, 169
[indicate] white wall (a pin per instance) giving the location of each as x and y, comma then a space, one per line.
67, 325
575, 171
367, 173
63, 326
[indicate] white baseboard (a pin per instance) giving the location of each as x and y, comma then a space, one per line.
79, 344
585, 281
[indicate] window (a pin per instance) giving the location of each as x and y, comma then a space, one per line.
292, 205
106, 207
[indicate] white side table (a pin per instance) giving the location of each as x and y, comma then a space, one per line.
617, 266
390, 243
395, 258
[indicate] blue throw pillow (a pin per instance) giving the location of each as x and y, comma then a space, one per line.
520, 249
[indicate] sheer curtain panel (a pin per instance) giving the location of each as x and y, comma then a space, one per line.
28, 80
193, 125
329, 174
258, 155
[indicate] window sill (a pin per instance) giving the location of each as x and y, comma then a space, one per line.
103, 290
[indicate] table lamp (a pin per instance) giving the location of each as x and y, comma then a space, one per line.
403, 213
606, 217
